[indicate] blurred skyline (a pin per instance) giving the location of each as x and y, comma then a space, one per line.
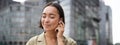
84, 20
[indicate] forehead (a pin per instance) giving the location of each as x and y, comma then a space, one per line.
50, 9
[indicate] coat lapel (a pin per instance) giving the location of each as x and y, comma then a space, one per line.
41, 39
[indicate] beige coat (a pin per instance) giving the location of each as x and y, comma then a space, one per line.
40, 40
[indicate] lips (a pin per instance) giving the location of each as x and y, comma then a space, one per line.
46, 25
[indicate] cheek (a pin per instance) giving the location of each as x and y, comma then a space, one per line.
54, 22
42, 21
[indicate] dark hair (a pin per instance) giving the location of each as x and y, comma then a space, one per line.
59, 8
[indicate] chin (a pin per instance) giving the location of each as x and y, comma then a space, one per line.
46, 29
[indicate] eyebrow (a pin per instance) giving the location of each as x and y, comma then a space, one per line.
44, 13
52, 14
49, 14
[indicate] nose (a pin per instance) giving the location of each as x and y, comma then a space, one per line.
46, 20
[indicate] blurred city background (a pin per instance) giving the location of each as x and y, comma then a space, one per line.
88, 22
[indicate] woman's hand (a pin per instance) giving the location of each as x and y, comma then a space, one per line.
60, 31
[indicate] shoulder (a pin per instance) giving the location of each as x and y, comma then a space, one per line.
70, 41
32, 41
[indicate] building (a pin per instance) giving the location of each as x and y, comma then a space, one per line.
5, 3
18, 23
105, 14
88, 22
82, 20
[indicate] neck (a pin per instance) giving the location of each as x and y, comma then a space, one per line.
50, 34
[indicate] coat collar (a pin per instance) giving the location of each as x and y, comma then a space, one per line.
41, 39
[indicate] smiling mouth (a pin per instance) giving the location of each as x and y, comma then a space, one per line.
46, 25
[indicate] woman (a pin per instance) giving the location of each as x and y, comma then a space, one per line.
53, 22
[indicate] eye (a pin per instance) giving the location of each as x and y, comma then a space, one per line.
43, 16
52, 16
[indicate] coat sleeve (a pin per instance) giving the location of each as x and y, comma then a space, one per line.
74, 43
32, 41
70, 41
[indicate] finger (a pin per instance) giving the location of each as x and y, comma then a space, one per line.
61, 25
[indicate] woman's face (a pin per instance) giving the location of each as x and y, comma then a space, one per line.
50, 18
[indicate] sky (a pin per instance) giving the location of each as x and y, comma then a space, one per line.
21, 1
115, 6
